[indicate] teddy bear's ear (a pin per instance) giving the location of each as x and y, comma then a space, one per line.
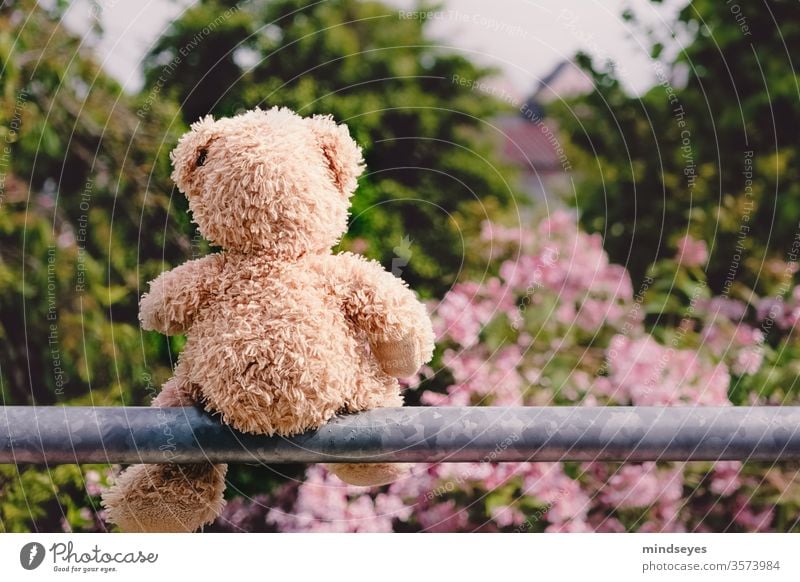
341, 152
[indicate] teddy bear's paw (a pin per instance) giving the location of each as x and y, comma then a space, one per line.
166, 498
177, 392
150, 310
399, 359
370, 474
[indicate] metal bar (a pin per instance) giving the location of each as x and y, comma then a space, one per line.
56, 435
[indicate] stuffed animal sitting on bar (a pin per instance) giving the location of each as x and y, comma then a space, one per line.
281, 333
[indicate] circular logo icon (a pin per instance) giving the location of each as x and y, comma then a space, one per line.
31, 555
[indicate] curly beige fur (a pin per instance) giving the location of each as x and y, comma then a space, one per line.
281, 334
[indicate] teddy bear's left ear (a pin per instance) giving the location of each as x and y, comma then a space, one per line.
341, 151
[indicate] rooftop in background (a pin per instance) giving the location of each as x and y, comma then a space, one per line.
530, 141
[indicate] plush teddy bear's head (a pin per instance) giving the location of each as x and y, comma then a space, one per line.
268, 181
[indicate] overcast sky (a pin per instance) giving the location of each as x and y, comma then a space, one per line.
526, 39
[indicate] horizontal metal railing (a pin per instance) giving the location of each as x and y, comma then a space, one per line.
56, 435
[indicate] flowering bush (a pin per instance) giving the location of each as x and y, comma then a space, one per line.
559, 324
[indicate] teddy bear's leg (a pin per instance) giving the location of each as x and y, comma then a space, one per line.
374, 474
168, 497
370, 474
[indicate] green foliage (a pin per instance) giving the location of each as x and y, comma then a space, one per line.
68, 286
58, 499
670, 162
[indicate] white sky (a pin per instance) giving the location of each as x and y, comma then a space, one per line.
524, 38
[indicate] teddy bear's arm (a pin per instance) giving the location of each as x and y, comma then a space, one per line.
175, 297
395, 321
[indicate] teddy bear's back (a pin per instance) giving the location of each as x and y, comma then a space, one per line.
276, 338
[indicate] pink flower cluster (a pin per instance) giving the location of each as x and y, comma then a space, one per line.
780, 312
564, 264
737, 343
325, 504
645, 373
692, 252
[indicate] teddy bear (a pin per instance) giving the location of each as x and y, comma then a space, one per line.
281, 333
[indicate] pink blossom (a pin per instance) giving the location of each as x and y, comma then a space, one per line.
725, 480
457, 319
325, 504
561, 495
748, 336
93, 485
443, 517
748, 361
692, 252
649, 374
468, 307
732, 309
359, 245
751, 519
558, 224
633, 486
506, 516
571, 526
775, 311
505, 236
605, 524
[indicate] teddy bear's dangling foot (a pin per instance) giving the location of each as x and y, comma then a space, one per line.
370, 474
166, 498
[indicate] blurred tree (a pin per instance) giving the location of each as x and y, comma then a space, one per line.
84, 218
432, 176
711, 150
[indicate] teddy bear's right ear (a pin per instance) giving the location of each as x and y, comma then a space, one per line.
342, 153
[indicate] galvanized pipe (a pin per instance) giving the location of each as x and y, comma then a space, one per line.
56, 435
